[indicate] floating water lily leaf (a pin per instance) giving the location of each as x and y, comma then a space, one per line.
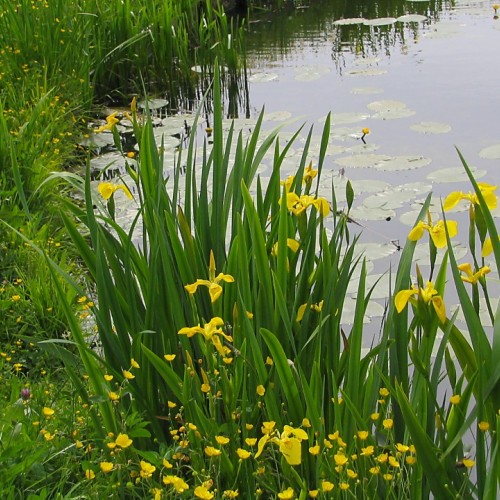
454, 174
310, 73
406, 162
382, 288
363, 213
277, 116
491, 152
263, 77
375, 251
153, 104
386, 105
421, 255
362, 161
366, 90
98, 141
431, 127
409, 218
345, 133
411, 18
343, 118
389, 109
367, 72
366, 61
352, 20
369, 186
385, 201
484, 317
373, 310
363, 148
381, 21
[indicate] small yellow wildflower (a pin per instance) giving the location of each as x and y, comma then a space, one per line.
134, 363
128, 375
313, 493
344, 486
362, 435
212, 452
388, 423
106, 467
327, 486
113, 396
178, 483
123, 441
261, 390
315, 450
287, 494
89, 474
147, 469
366, 452
468, 462
483, 426
243, 454
340, 459
169, 357
455, 399
222, 440
203, 493
48, 412
230, 494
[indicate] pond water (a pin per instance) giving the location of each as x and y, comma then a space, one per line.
423, 76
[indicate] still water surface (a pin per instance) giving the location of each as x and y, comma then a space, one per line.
445, 69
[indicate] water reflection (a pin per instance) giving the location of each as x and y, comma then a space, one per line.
275, 36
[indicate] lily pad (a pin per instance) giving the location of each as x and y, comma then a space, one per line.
311, 73
406, 162
277, 116
373, 310
491, 152
369, 186
375, 251
367, 72
263, 77
386, 105
343, 118
362, 161
431, 128
352, 20
366, 90
411, 18
363, 213
153, 104
454, 174
421, 254
381, 21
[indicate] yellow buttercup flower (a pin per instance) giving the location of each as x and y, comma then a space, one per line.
203, 493
287, 494
123, 441
178, 483
455, 399
108, 189
214, 289
106, 467
427, 295
210, 332
487, 190
243, 454
327, 486
147, 469
340, 459
436, 231
470, 276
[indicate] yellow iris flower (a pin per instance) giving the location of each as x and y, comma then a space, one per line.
298, 204
111, 121
436, 231
288, 441
108, 189
214, 289
211, 332
469, 276
487, 190
428, 295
